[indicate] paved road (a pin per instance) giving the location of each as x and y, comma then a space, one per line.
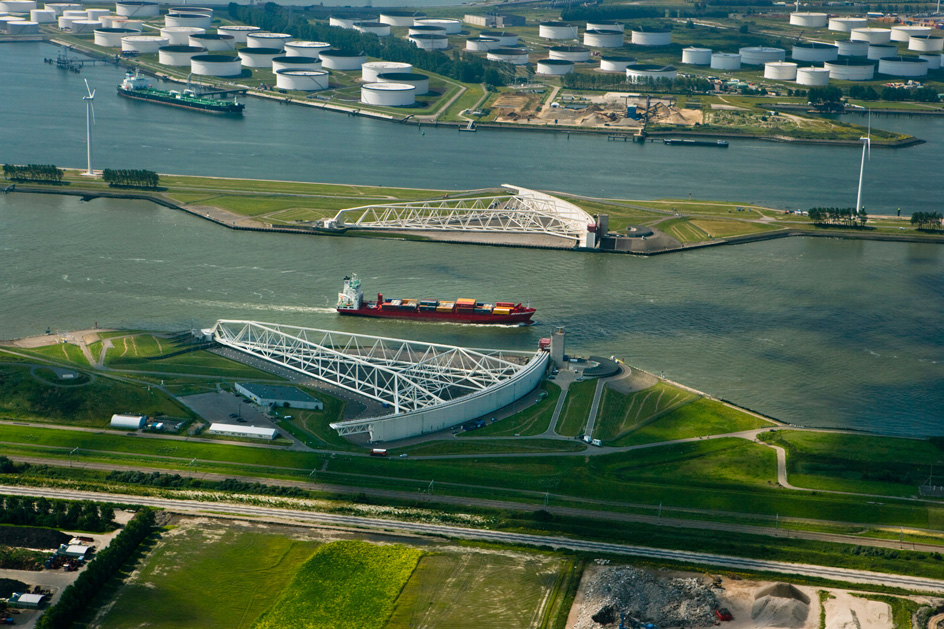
270, 514
594, 407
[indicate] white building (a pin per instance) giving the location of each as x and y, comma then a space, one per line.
237, 430
128, 422
270, 395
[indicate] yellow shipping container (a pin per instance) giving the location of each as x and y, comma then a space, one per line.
444, 308
501, 311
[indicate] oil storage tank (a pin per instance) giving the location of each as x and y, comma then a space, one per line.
933, 59
813, 77
345, 21
97, 14
64, 21
851, 69
374, 28
759, 55
216, 65
557, 30
809, 20
267, 40
648, 36
872, 35
238, 32
137, 8
430, 42
514, 56
111, 37
417, 80
903, 66
606, 25
61, 7
214, 42
505, 39
371, 69
882, 51
122, 22
575, 54
815, 52
780, 71
853, 48
341, 60
180, 35
302, 80
426, 29
481, 44
400, 18
640, 73
81, 27
616, 63
926, 43
43, 16
258, 57
177, 55
200, 20
17, 6
450, 26
846, 24
388, 94
191, 9
725, 61
285, 62
306, 48
554, 67
23, 27
694, 56
904, 33
143, 43
603, 39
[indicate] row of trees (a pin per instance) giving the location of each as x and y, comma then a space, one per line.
838, 216
920, 94
33, 172
59, 514
927, 220
468, 69
76, 598
158, 479
134, 177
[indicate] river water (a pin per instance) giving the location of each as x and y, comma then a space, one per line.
813, 331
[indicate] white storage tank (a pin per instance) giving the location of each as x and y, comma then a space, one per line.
430, 42
400, 18
180, 35
933, 59
614, 63
813, 77
505, 39
238, 32
81, 27
43, 16
846, 24
554, 67
191, 9
345, 21
371, 69
76, 14
111, 37
214, 42
603, 39
417, 80
258, 57
926, 43
643, 72
606, 25
425, 29
200, 20
725, 61
267, 40
481, 44
851, 69
61, 7
759, 55
339, 60
780, 71
514, 56
851, 48
143, 43
696, 56
882, 51
557, 30
872, 35
22, 27
285, 62
643, 36
814, 51
64, 21
301, 80
299, 48
134, 25
97, 14
809, 20
576, 54
903, 66
388, 94
18, 6
178, 55
108, 21
128, 422
134, 8
450, 26
216, 65
904, 33
375, 28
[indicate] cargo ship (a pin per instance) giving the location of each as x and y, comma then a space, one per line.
137, 87
351, 302
719, 143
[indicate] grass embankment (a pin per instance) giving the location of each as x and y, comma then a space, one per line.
149, 353
343, 584
576, 411
621, 414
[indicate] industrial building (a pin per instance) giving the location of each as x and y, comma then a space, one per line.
128, 422
238, 430
494, 20
274, 395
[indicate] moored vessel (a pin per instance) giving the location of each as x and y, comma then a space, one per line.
137, 87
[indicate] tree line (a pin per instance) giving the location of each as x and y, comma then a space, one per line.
76, 598
58, 514
33, 172
838, 216
135, 178
927, 220
894, 94
466, 68
159, 479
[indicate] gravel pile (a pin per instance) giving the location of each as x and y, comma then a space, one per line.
664, 602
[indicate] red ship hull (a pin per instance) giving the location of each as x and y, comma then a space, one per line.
522, 316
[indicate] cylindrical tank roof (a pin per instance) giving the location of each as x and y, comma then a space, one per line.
285, 62
451, 26
616, 63
696, 56
419, 81
853, 48
426, 29
846, 69
903, 66
902, 33
402, 13
605, 25
814, 77
846, 24
933, 59
780, 70
516, 56
301, 80
429, 37
759, 55
872, 35
810, 20
555, 67
143, 43
882, 51
814, 51
371, 69
926, 43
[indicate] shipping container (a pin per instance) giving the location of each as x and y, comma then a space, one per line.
396, 302
465, 302
504, 304
444, 308
501, 311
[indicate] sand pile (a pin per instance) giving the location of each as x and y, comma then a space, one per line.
780, 605
844, 611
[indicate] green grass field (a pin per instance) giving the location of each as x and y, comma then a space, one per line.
344, 584
620, 414
576, 411
490, 446
698, 418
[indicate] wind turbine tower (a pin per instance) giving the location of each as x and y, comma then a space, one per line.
866, 148
89, 119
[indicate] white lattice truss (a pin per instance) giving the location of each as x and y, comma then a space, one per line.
525, 212
407, 375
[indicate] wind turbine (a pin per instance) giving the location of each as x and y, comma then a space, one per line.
89, 119
866, 147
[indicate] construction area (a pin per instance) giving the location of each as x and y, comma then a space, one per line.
627, 597
621, 110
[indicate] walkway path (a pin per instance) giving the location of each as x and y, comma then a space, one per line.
594, 407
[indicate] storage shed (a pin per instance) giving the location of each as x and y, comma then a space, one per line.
128, 422
273, 395
237, 430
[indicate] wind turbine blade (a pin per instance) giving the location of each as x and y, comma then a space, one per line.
88, 88
92, 97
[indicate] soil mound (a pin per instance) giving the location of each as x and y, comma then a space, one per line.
780, 605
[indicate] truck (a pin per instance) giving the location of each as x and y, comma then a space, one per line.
597, 443
378, 452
